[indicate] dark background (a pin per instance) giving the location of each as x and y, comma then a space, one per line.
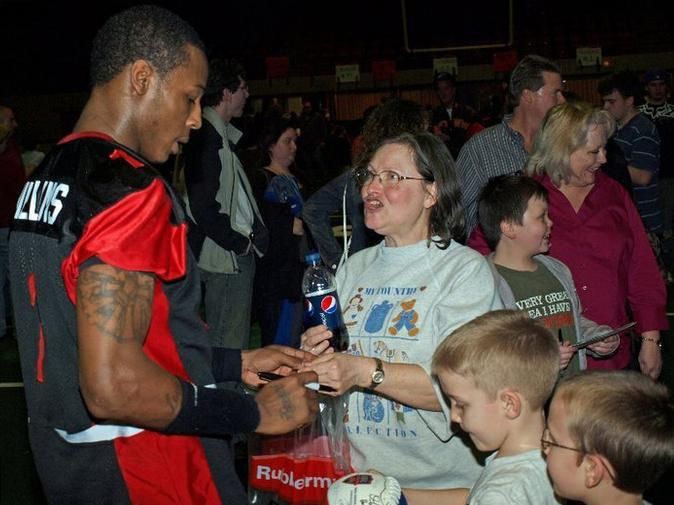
44, 46
44, 50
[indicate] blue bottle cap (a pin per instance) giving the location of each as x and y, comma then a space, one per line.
312, 258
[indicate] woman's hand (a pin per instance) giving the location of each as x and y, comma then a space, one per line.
606, 347
316, 340
650, 355
342, 371
566, 352
406, 383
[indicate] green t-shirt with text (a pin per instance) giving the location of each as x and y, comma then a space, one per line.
542, 296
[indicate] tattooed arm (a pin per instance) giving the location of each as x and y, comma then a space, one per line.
118, 382
286, 404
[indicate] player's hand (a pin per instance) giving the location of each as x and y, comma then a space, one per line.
279, 359
286, 404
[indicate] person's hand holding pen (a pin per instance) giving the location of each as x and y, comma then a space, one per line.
279, 359
604, 344
315, 386
606, 347
566, 351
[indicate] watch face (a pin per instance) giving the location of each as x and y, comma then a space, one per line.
378, 377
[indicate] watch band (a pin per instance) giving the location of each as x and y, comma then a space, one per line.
378, 374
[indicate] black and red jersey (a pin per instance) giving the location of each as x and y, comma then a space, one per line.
94, 200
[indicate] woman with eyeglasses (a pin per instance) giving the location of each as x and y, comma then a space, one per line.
400, 299
390, 118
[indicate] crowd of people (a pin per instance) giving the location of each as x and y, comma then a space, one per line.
479, 296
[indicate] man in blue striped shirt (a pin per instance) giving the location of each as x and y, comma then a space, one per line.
659, 110
639, 139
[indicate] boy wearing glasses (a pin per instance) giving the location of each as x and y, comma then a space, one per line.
498, 370
514, 217
610, 437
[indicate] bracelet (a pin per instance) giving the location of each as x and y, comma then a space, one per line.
651, 339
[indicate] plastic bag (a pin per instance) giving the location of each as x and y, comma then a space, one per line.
299, 467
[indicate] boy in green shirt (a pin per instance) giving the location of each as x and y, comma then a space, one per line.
513, 214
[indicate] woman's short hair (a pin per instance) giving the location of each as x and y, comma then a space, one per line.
564, 130
433, 161
391, 118
272, 129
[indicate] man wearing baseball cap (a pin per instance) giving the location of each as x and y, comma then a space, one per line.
661, 112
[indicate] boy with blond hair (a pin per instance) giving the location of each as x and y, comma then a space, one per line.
498, 371
610, 437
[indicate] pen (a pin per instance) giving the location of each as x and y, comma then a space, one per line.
315, 386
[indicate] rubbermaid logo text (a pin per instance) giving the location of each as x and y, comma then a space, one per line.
288, 478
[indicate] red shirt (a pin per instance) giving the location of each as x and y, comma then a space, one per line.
12, 177
606, 248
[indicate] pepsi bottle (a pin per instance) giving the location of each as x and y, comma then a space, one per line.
321, 305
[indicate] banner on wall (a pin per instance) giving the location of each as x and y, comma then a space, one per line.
277, 66
383, 70
347, 73
449, 65
588, 56
295, 104
504, 61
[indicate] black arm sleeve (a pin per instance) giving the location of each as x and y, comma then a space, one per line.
210, 411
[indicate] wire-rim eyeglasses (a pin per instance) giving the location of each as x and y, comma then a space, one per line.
387, 178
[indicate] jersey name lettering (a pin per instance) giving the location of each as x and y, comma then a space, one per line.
41, 201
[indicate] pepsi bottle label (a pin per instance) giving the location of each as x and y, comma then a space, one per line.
323, 308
